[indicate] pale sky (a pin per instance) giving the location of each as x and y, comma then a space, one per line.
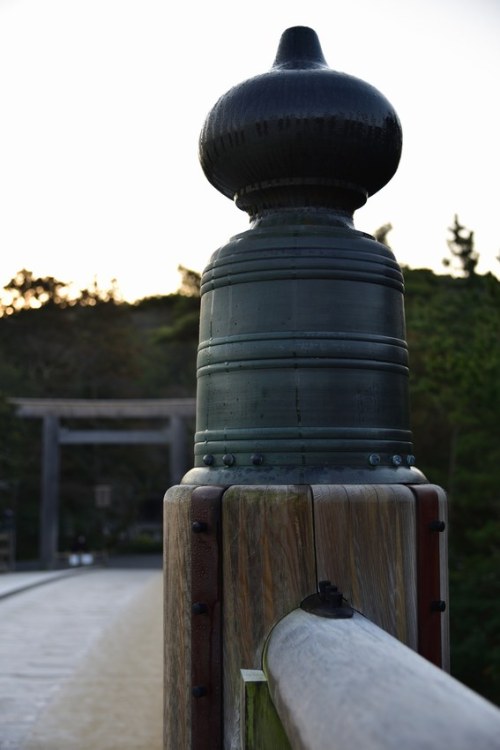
102, 102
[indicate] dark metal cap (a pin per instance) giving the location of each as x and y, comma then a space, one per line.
302, 363
300, 135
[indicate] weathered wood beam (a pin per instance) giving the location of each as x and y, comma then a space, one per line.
49, 508
127, 408
177, 618
365, 545
115, 437
268, 568
347, 683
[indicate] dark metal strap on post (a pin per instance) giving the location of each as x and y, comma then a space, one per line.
206, 625
430, 602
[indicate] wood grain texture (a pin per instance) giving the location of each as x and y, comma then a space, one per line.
366, 545
352, 685
268, 568
177, 618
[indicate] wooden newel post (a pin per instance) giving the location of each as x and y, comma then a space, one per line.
304, 469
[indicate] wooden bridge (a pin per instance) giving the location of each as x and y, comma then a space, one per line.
80, 657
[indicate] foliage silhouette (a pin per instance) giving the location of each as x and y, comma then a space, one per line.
461, 247
113, 349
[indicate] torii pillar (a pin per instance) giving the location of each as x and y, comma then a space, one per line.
304, 467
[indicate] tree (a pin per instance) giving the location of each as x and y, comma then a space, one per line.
190, 282
27, 292
89, 297
381, 233
461, 246
453, 338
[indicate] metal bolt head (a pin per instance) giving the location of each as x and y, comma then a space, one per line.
437, 525
438, 606
396, 460
228, 459
257, 459
374, 459
199, 691
208, 459
197, 527
410, 459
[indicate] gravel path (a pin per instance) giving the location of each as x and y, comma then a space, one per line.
81, 663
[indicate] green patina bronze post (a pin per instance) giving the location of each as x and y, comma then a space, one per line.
304, 466
303, 364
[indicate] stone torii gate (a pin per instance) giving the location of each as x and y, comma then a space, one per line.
52, 411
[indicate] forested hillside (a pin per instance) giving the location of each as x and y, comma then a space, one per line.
100, 347
453, 329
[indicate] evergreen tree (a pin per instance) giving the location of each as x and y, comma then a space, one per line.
381, 233
25, 291
190, 282
461, 247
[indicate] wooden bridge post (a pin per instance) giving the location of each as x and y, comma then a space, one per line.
304, 468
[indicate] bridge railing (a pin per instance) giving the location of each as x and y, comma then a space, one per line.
339, 684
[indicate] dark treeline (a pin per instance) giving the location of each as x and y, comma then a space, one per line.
453, 330
101, 347
96, 347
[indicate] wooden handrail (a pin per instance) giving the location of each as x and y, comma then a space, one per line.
340, 684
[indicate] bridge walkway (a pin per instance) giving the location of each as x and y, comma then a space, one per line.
81, 659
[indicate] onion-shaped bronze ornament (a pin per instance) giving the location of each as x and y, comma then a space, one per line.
302, 364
